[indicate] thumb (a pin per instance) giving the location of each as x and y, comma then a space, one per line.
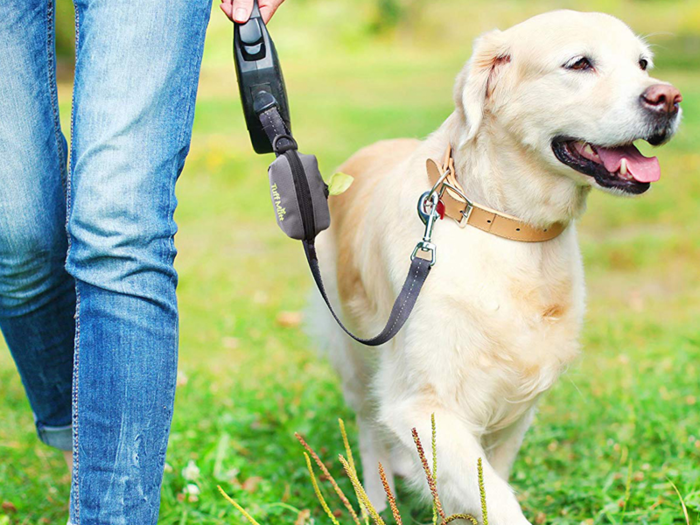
242, 10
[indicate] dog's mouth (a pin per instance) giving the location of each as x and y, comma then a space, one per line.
621, 167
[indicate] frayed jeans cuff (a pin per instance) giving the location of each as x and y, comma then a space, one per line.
57, 437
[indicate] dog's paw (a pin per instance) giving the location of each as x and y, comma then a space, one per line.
507, 518
503, 511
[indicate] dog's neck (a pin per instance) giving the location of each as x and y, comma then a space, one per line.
499, 173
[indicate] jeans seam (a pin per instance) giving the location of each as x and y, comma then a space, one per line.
53, 91
76, 344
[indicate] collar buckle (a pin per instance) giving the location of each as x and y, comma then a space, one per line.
466, 213
468, 205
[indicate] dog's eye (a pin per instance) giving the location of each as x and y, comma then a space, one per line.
579, 64
643, 63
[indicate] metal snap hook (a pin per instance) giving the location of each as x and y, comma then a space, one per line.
427, 205
428, 213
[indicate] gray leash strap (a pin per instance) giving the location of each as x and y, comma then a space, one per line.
403, 306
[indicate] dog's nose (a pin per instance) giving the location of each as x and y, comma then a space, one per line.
661, 98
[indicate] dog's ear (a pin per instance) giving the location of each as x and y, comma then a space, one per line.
477, 81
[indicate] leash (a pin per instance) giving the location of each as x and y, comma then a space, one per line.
299, 195
284, 146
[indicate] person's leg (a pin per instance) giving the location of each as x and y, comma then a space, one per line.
135, 85
37, 296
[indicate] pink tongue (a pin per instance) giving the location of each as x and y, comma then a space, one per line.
643, 169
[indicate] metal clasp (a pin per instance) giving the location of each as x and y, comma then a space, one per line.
426, 247
428, 213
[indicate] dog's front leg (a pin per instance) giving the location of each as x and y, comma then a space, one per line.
373, 450
502, 447
458, 451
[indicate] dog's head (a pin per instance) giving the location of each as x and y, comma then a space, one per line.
574, 90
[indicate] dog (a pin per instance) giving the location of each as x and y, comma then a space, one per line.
544, 112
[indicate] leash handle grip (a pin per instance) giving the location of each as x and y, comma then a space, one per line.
259, 77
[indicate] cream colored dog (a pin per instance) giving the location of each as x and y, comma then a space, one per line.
545, 111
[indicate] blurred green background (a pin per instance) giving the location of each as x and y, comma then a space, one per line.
609, 437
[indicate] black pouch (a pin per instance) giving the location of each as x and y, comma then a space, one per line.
299, 195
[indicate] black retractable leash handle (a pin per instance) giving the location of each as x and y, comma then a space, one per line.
260, 79
299, 195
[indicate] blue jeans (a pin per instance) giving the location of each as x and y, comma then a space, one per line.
90, 316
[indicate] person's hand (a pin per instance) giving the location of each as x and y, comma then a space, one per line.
239, 10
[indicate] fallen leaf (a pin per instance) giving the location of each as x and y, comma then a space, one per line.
251, 484
339, 183
289, 319
303, 517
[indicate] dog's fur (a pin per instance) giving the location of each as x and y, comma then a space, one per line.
497, 321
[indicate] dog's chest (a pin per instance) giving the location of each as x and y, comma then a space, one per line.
504, 321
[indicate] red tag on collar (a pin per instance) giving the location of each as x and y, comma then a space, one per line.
441, 209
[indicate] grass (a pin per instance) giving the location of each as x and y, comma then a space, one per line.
609, 437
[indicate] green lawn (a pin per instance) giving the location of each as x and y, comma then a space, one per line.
621, 424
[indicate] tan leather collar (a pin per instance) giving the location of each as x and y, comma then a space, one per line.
465, 212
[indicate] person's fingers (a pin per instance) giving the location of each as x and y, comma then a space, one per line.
227, 7
268, 8
241, 10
